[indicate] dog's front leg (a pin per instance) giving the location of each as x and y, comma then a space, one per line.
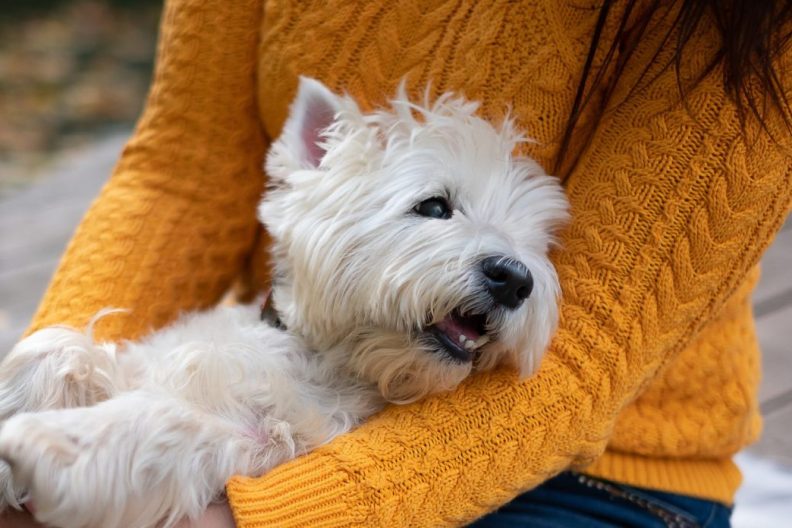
54, 368
141, 459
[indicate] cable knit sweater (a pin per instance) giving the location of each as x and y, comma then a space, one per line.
652, 377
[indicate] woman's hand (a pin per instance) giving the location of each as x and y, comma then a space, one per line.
218, 515
17, 519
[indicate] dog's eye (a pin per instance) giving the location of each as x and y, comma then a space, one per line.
434, 208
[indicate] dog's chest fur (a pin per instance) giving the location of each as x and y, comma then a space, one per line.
283, 381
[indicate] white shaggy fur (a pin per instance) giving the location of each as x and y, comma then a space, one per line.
141, 434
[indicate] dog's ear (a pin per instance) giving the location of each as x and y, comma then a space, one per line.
313, 110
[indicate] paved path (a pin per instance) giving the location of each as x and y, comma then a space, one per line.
36, 222
773, 309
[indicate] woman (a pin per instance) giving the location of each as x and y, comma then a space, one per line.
650, 385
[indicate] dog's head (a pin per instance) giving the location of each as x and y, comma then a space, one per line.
411, 241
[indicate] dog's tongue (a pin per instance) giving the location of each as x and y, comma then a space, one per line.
454, 327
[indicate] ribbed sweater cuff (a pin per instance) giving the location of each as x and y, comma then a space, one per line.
711, 479
309, 493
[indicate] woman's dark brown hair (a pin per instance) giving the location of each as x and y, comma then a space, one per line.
753, 33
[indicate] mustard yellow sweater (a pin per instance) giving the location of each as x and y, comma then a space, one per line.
652, 377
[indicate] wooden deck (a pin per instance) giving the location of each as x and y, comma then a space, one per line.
773, 309
36, 222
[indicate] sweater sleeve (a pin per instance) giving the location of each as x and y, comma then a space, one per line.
174, 223
670, 212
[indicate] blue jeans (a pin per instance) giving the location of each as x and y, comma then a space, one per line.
576, 500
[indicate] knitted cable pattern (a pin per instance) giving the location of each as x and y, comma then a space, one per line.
652, 377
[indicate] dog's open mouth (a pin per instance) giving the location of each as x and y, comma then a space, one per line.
461, 336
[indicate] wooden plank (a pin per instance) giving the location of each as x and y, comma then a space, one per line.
56, 220
775, 338
21, 289
776, 441
75, 179
36, 223
776, 282
773, 310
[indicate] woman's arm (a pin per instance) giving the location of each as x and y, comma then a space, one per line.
173, 225
669, 215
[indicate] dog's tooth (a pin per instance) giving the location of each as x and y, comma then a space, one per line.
469, 344
481, 341
462, 339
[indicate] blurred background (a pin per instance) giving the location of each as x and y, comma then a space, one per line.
70, 71
73, 78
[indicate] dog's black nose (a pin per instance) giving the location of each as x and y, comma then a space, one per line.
508, 280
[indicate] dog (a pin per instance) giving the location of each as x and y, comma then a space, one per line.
410, 249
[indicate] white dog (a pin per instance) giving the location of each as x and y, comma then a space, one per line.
410, 247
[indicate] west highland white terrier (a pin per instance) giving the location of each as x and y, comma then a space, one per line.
410, 249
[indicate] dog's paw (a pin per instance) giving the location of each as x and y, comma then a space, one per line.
28, 440
57, 367
43, 453
129, 461
35, 452
11, 493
